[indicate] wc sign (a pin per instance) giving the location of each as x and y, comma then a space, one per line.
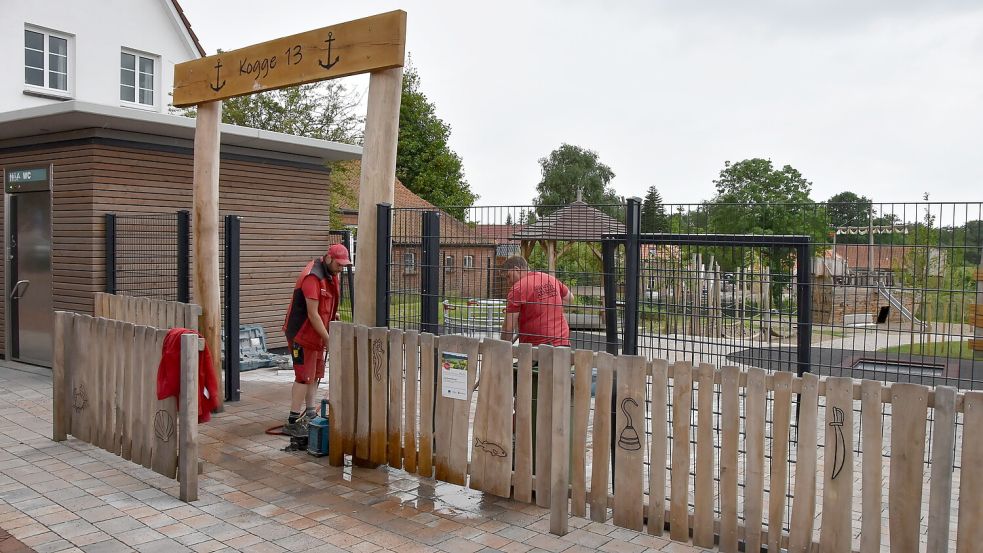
16, 178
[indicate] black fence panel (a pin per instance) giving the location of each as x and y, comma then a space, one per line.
147, 255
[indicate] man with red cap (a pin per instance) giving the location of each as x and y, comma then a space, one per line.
314, 305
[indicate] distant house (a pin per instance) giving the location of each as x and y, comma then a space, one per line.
467, 258
863, 263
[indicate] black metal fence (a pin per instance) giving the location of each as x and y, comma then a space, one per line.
881, 291
147, 255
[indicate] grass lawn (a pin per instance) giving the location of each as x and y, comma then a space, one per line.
952, 350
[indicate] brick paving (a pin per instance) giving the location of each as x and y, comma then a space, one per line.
71, 496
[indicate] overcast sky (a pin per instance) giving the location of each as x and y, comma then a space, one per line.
882, 97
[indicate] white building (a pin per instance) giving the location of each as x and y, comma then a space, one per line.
109, 52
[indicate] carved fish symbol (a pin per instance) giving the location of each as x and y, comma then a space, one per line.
839, 446
494, 450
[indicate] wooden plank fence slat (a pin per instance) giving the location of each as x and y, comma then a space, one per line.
560, 444
836, 532
659, 369
754, 431
349, 401
427, 381
452, 415
907, 455
138, 411
129, 392
872, 442
188, 426
943, 456
778, 477
804, 502
98, 389
629, 442
600, 464
544, 425
378, 392
969, 534
362, 406
82, 365
165, 418
337, 401
148, 356
522, 484
61, 413
703, 496
682, 396
730, 413
583, 362
491, 447
411, 345
395, 408
119, 365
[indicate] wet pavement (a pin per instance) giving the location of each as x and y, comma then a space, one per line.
254, 497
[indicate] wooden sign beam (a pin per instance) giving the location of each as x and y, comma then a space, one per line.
361, 46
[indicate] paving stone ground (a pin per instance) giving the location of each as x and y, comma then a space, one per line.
71, 496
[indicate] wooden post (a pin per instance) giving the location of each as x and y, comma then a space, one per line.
60, 412
560, 444
205, 229
188, 419
377, 182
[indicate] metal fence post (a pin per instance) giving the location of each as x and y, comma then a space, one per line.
430, 277
110, 253
610, 296
183, 256
231, 315
383, 251
632, 274
803, 276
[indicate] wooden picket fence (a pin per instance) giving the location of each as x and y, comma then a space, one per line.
720, 440
104, 375
147, 311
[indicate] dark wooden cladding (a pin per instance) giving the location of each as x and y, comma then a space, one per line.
284, 208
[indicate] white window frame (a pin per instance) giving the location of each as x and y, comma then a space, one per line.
137, 54
409, 263
448, 263
46, 89
468, 262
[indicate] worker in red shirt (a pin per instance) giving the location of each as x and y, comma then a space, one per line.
535, 306
313, 306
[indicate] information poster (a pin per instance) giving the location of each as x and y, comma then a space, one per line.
454, 375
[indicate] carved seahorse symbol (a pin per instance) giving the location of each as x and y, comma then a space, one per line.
330, 63
218, 71
839, 446
378, 359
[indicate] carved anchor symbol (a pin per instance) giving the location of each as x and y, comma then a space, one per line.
218, 70
330, 63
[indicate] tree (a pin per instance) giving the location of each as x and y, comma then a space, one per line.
569, 169
508, 219
755, 198
325, 110
654, 217
847, 209
424, 161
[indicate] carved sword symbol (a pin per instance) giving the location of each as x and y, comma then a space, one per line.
330, 63
218, 70
839, 446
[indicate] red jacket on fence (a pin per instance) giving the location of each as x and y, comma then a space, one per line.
169, 374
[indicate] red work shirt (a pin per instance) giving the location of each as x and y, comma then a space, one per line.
538, 299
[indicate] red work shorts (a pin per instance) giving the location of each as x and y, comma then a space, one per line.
308, 364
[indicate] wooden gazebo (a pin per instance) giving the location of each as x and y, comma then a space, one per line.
577, 222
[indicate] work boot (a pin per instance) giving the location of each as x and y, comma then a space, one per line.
296, 429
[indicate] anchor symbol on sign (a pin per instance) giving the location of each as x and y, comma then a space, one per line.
218, 71
330, 63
